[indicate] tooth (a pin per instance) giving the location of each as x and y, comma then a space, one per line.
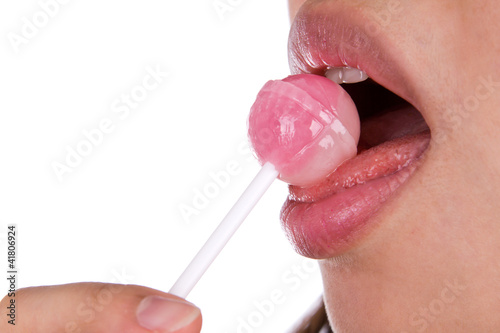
335, 74
353, 75
345, 75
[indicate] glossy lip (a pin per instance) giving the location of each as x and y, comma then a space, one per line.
332, 34
324, 220
328, 34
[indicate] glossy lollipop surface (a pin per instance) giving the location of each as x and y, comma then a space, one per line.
305, 125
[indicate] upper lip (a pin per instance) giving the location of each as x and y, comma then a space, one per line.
329, 34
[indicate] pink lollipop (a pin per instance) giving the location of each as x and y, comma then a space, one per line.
301, 128
305, 125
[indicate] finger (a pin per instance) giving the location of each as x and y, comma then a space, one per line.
98, 308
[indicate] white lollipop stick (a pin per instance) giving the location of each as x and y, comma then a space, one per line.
224, 231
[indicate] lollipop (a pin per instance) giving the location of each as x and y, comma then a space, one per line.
305, 125
301, 128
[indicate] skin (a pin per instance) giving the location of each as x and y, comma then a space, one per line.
83, 308
431, 263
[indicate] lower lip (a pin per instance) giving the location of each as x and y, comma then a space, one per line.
329, 226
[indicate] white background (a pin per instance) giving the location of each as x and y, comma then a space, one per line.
116, 216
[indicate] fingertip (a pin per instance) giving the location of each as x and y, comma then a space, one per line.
167, 314
103, 308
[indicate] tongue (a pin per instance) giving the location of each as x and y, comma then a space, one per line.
391, 125
388, 143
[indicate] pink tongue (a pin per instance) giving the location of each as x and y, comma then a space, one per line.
305, 125
391, 125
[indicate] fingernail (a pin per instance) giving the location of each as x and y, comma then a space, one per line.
168, 315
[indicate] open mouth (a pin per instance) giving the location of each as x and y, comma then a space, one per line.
393, 136
326, 219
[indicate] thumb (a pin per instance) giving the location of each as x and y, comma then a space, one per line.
97, 308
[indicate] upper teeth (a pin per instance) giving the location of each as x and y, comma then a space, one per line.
346, 75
